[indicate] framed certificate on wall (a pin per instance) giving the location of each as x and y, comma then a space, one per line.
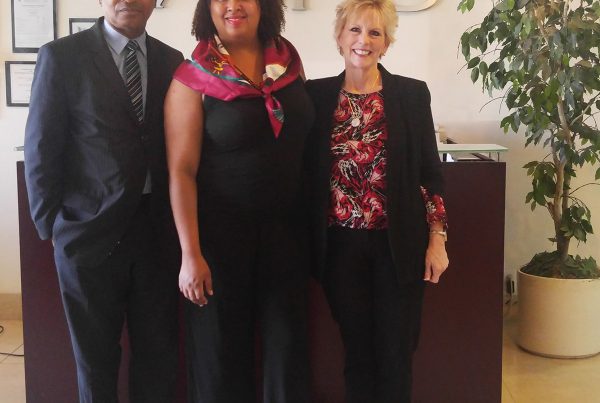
19, 76
33, 24
80, 24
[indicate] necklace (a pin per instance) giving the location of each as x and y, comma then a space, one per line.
355, 110
372, 85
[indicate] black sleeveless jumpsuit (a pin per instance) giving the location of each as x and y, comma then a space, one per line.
251, 235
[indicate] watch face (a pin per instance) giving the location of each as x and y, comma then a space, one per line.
413, 5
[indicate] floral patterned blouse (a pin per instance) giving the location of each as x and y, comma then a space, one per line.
357, 185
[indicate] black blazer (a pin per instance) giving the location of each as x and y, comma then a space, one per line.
412, 161
86, 157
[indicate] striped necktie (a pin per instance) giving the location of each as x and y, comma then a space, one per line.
133, 79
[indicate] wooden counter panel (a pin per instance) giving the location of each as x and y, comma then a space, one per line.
459, 359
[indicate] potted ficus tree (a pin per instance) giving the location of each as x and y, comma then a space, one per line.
540, 58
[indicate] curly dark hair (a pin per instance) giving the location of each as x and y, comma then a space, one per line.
272, 20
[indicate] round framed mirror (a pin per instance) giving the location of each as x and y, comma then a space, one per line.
413, 5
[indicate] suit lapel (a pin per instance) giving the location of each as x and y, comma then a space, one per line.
397, 142
154, 77
329, 103
107, 68
395, 113
326, 109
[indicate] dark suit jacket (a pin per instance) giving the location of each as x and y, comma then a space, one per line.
86, 157
412, 161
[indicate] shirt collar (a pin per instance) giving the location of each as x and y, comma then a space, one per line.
118, 41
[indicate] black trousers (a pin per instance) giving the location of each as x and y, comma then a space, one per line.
130, 286
379, 319
260, 280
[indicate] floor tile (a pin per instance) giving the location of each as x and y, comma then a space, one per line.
526, 378
531, 379
12, 383
11, 338
506, 395
15, 360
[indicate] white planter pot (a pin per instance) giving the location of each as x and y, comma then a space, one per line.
559, 318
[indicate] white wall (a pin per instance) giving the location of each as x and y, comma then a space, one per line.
426, 48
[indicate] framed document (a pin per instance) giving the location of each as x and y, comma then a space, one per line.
413, 5
19, 76
33, 24
80, 24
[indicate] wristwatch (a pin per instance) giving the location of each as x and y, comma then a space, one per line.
444, 234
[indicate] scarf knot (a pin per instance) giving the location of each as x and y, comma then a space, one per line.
211, 72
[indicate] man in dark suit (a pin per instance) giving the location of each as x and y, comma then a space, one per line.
98, 187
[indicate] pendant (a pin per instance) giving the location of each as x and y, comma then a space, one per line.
355, 122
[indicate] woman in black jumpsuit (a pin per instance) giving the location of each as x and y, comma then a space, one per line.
235, 128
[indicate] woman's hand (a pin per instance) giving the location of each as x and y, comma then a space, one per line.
436, 259
195, 280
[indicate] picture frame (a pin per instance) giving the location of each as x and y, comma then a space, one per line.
298, 5
19, 76
80, 24
33, 24
160, 4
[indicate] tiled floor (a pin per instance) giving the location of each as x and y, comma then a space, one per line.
12, 372
525, 378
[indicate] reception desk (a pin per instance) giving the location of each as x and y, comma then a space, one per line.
459, 359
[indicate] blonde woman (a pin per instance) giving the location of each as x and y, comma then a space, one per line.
378, 218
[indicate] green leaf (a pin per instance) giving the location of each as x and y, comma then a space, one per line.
473, 62
526, 25
505, 123
473, 42
483, 68
465, 5
515, 123
597, 177
474, 74
538, 196
505, 5
584, 63
466, 51
510, 99
579, 234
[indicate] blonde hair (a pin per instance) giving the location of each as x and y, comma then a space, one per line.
385, 8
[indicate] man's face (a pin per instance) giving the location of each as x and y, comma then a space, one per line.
128, 16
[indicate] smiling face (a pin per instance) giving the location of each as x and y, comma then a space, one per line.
362, 40
236, 21
128, 17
